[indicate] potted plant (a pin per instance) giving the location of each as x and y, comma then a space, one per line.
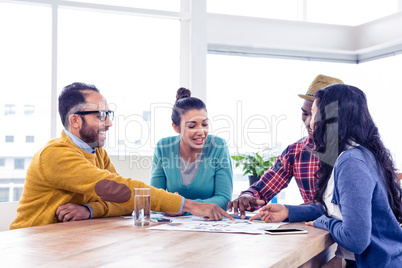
254, 164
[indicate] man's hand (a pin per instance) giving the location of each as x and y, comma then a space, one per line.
72, 212
210, 212
272, 213
244, 203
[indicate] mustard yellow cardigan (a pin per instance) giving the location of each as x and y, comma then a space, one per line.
62, 173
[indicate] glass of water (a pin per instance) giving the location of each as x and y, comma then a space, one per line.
142, 206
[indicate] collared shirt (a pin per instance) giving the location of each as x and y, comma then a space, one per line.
86, 148
80, 143
296, 161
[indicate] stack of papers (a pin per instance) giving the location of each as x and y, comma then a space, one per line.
192, 223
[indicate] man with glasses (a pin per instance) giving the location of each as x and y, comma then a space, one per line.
72, 177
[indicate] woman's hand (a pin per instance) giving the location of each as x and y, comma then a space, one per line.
310, 223
272, 213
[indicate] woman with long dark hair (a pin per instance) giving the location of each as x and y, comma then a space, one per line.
359, 197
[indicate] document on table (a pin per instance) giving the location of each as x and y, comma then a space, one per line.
192, 223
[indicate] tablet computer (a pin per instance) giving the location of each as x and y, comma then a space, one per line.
285, 231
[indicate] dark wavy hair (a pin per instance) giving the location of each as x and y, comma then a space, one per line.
71, 98
184, 102
342, 119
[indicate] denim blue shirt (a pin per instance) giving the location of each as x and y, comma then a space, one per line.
80, 143
369, 228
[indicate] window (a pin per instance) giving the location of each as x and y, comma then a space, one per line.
25, 67
121, 142
17, 193
32, 46
168, 5
19, 163
9, 109
2, 162
133, 69
252, 102
4, 193
146, 115
134, 61
262, 108
29, 109
10, 192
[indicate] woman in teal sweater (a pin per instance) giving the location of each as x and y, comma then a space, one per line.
193, 164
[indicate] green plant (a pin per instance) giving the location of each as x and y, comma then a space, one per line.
253, 163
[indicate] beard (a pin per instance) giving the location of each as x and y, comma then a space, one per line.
89, 135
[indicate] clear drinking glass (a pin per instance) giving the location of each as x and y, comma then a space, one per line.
142, 206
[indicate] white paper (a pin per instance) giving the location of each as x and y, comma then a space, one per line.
192, 223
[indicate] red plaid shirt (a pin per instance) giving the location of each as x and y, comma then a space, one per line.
296, 161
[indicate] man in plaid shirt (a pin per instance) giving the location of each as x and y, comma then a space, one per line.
296, 161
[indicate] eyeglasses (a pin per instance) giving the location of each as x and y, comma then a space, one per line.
102, 114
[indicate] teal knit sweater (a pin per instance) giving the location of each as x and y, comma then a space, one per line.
214, 180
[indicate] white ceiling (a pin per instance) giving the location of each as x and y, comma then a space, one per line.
269, 37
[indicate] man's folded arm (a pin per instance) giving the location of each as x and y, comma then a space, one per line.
74, 173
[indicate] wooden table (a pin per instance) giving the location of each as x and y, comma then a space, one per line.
116, 242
